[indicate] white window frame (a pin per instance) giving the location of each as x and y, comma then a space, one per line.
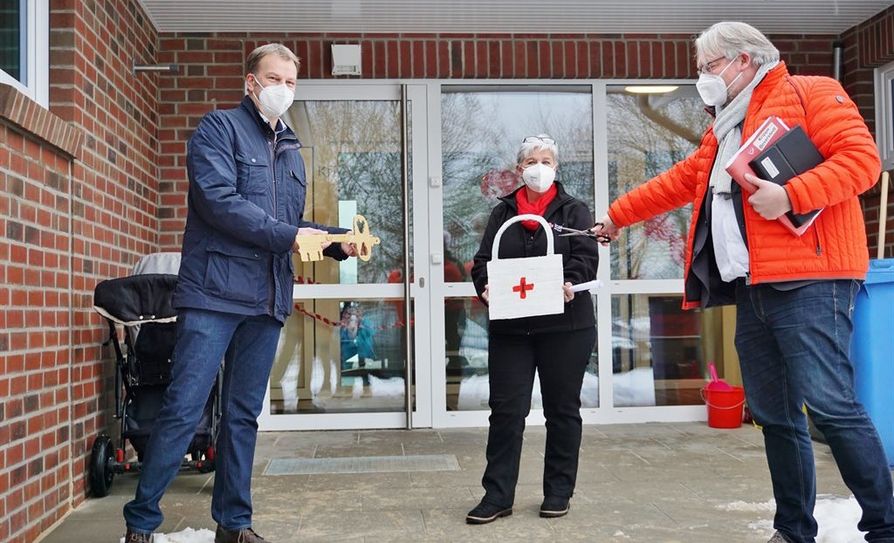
884, 110
36, 52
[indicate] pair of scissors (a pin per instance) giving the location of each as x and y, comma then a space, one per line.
568, 231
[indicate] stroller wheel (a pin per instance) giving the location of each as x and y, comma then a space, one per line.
101, 473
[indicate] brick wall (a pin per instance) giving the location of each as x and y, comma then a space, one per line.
866, 47
68, 222
35, 411
212, 73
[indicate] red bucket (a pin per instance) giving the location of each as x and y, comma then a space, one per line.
725, 407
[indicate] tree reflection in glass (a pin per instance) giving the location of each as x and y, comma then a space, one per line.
647, 134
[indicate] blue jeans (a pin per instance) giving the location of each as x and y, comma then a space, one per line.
793, 348
204, 338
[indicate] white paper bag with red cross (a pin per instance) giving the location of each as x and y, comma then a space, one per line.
525, 287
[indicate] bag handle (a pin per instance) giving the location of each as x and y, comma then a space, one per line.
495, 251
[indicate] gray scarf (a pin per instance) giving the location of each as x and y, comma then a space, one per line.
728, 130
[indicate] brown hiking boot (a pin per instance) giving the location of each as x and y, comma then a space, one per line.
245, 535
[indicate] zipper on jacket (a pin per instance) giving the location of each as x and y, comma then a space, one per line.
819, 249
272, 157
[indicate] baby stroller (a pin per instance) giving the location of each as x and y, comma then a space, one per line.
141, 303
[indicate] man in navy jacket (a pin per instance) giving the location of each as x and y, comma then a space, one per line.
247, 187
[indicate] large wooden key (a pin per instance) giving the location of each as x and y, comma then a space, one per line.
310, 246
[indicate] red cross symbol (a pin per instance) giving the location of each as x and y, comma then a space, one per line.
522, 288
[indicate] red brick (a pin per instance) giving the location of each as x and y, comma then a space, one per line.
406, 58
545, 59
386, 59
583, 60
418, 60
443, 59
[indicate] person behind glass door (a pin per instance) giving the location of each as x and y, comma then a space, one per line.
244, 215
558, 347
356, 337
794, 295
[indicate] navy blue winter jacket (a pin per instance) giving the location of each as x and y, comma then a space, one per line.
246, 200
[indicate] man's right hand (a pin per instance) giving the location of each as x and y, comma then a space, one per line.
309, 231
605, 227
486, 294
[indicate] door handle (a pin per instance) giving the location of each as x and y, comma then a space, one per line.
422, 282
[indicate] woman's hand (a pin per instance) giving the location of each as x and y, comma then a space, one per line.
349, 248
566, 290
486, 294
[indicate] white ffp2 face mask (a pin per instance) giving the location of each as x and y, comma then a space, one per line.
275, 99
539, 177
713, 89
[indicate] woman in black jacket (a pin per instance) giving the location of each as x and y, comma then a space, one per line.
557, 346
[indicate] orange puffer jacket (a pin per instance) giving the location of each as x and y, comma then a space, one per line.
835, 246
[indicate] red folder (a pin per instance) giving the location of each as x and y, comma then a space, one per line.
763, 138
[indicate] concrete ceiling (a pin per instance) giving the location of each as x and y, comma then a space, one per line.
507, 16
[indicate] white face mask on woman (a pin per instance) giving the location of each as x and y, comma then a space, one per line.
713, 89
274, 100
539, 177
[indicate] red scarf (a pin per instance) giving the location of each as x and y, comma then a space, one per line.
537, 207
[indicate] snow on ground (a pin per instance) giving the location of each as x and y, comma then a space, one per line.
186, 536
837, 518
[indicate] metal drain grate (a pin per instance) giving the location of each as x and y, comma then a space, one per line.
362, 464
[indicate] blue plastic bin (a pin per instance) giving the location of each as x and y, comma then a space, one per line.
872, 349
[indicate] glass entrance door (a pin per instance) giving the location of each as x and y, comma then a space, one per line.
342, 359
481, 127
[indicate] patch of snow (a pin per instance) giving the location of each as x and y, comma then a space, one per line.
186, 536
837, 518
769, 506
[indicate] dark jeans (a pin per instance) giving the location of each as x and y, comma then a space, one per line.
204, 338
793, 347
560, 359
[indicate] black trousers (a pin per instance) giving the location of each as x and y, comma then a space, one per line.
560, 359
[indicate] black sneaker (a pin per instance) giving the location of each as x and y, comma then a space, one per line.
487, 512
137, 537
554, 506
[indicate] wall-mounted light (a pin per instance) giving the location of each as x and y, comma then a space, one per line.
345, 59
650, 89
158, 68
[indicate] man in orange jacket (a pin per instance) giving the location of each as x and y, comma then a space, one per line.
794, 295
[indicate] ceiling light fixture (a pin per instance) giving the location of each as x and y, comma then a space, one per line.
650, 89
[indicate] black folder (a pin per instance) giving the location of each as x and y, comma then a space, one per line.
792, 155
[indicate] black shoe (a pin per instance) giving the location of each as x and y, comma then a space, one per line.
137, 537
245, 535
487, 512
554, 506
